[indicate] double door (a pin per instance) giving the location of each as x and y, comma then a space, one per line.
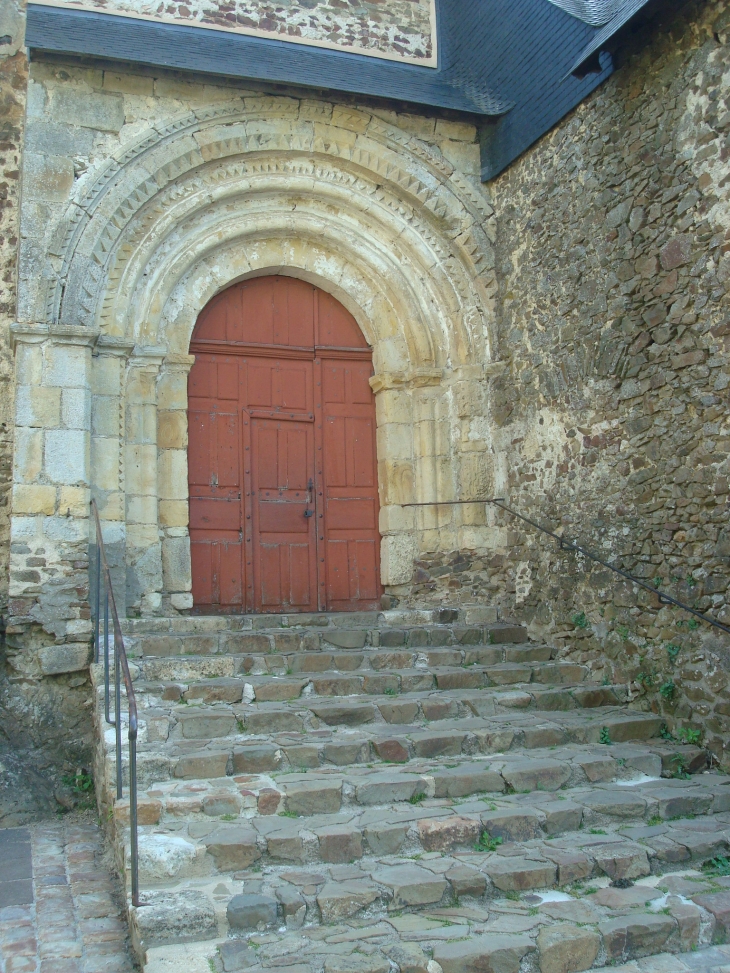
283, 481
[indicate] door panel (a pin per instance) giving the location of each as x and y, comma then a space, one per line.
217, 572
285, 551
343, 514
274, 384
280, 427
350, 486
214, 478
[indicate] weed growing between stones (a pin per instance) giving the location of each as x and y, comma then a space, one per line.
417, 798
605, 736
672, 651
668, 690
81, 785
487, 842
720, 866
687, 735
680, 772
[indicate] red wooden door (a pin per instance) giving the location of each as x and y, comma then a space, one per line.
282, 470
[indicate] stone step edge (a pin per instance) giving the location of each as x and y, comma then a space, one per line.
321, 838
304, 795
334, 685
390, 618
507, 653
405, 955
553, 696
589, 731
619, 762
622, 859
340, 638
619, 939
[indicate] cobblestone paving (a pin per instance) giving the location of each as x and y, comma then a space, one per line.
69, 919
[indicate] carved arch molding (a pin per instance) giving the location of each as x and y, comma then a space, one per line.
264, 185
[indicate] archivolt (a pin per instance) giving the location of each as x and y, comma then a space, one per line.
374, 215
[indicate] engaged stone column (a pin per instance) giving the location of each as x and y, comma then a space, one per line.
50, 502
144, 550
107, 442
172, 432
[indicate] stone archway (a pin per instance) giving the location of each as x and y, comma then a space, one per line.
335, 196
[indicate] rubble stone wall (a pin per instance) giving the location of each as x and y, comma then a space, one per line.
611, 423
394, 29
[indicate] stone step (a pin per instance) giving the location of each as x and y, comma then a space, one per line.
610, 882
165, 721
187, 668
287, 640
513, 935
367, 682
152, 666
314, 712
208, 757
260, 777
340, 818
466, 616
404, 792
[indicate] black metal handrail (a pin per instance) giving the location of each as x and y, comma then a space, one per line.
121, 671
572, 546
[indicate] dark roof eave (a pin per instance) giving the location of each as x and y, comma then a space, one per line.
605, 35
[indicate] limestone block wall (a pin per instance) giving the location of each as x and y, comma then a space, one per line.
13, 82
611, 421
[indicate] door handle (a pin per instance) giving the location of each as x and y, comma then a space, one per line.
309, 513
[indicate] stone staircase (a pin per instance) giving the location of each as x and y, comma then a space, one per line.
416, 792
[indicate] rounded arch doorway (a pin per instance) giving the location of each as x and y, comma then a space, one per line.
281, 457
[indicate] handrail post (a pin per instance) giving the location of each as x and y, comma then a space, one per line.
97, 595
133, 849
118, 715
121, 671
107, 714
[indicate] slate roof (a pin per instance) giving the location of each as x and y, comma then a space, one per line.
506, 62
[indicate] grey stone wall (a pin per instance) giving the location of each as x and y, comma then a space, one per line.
383, 28
611, 423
